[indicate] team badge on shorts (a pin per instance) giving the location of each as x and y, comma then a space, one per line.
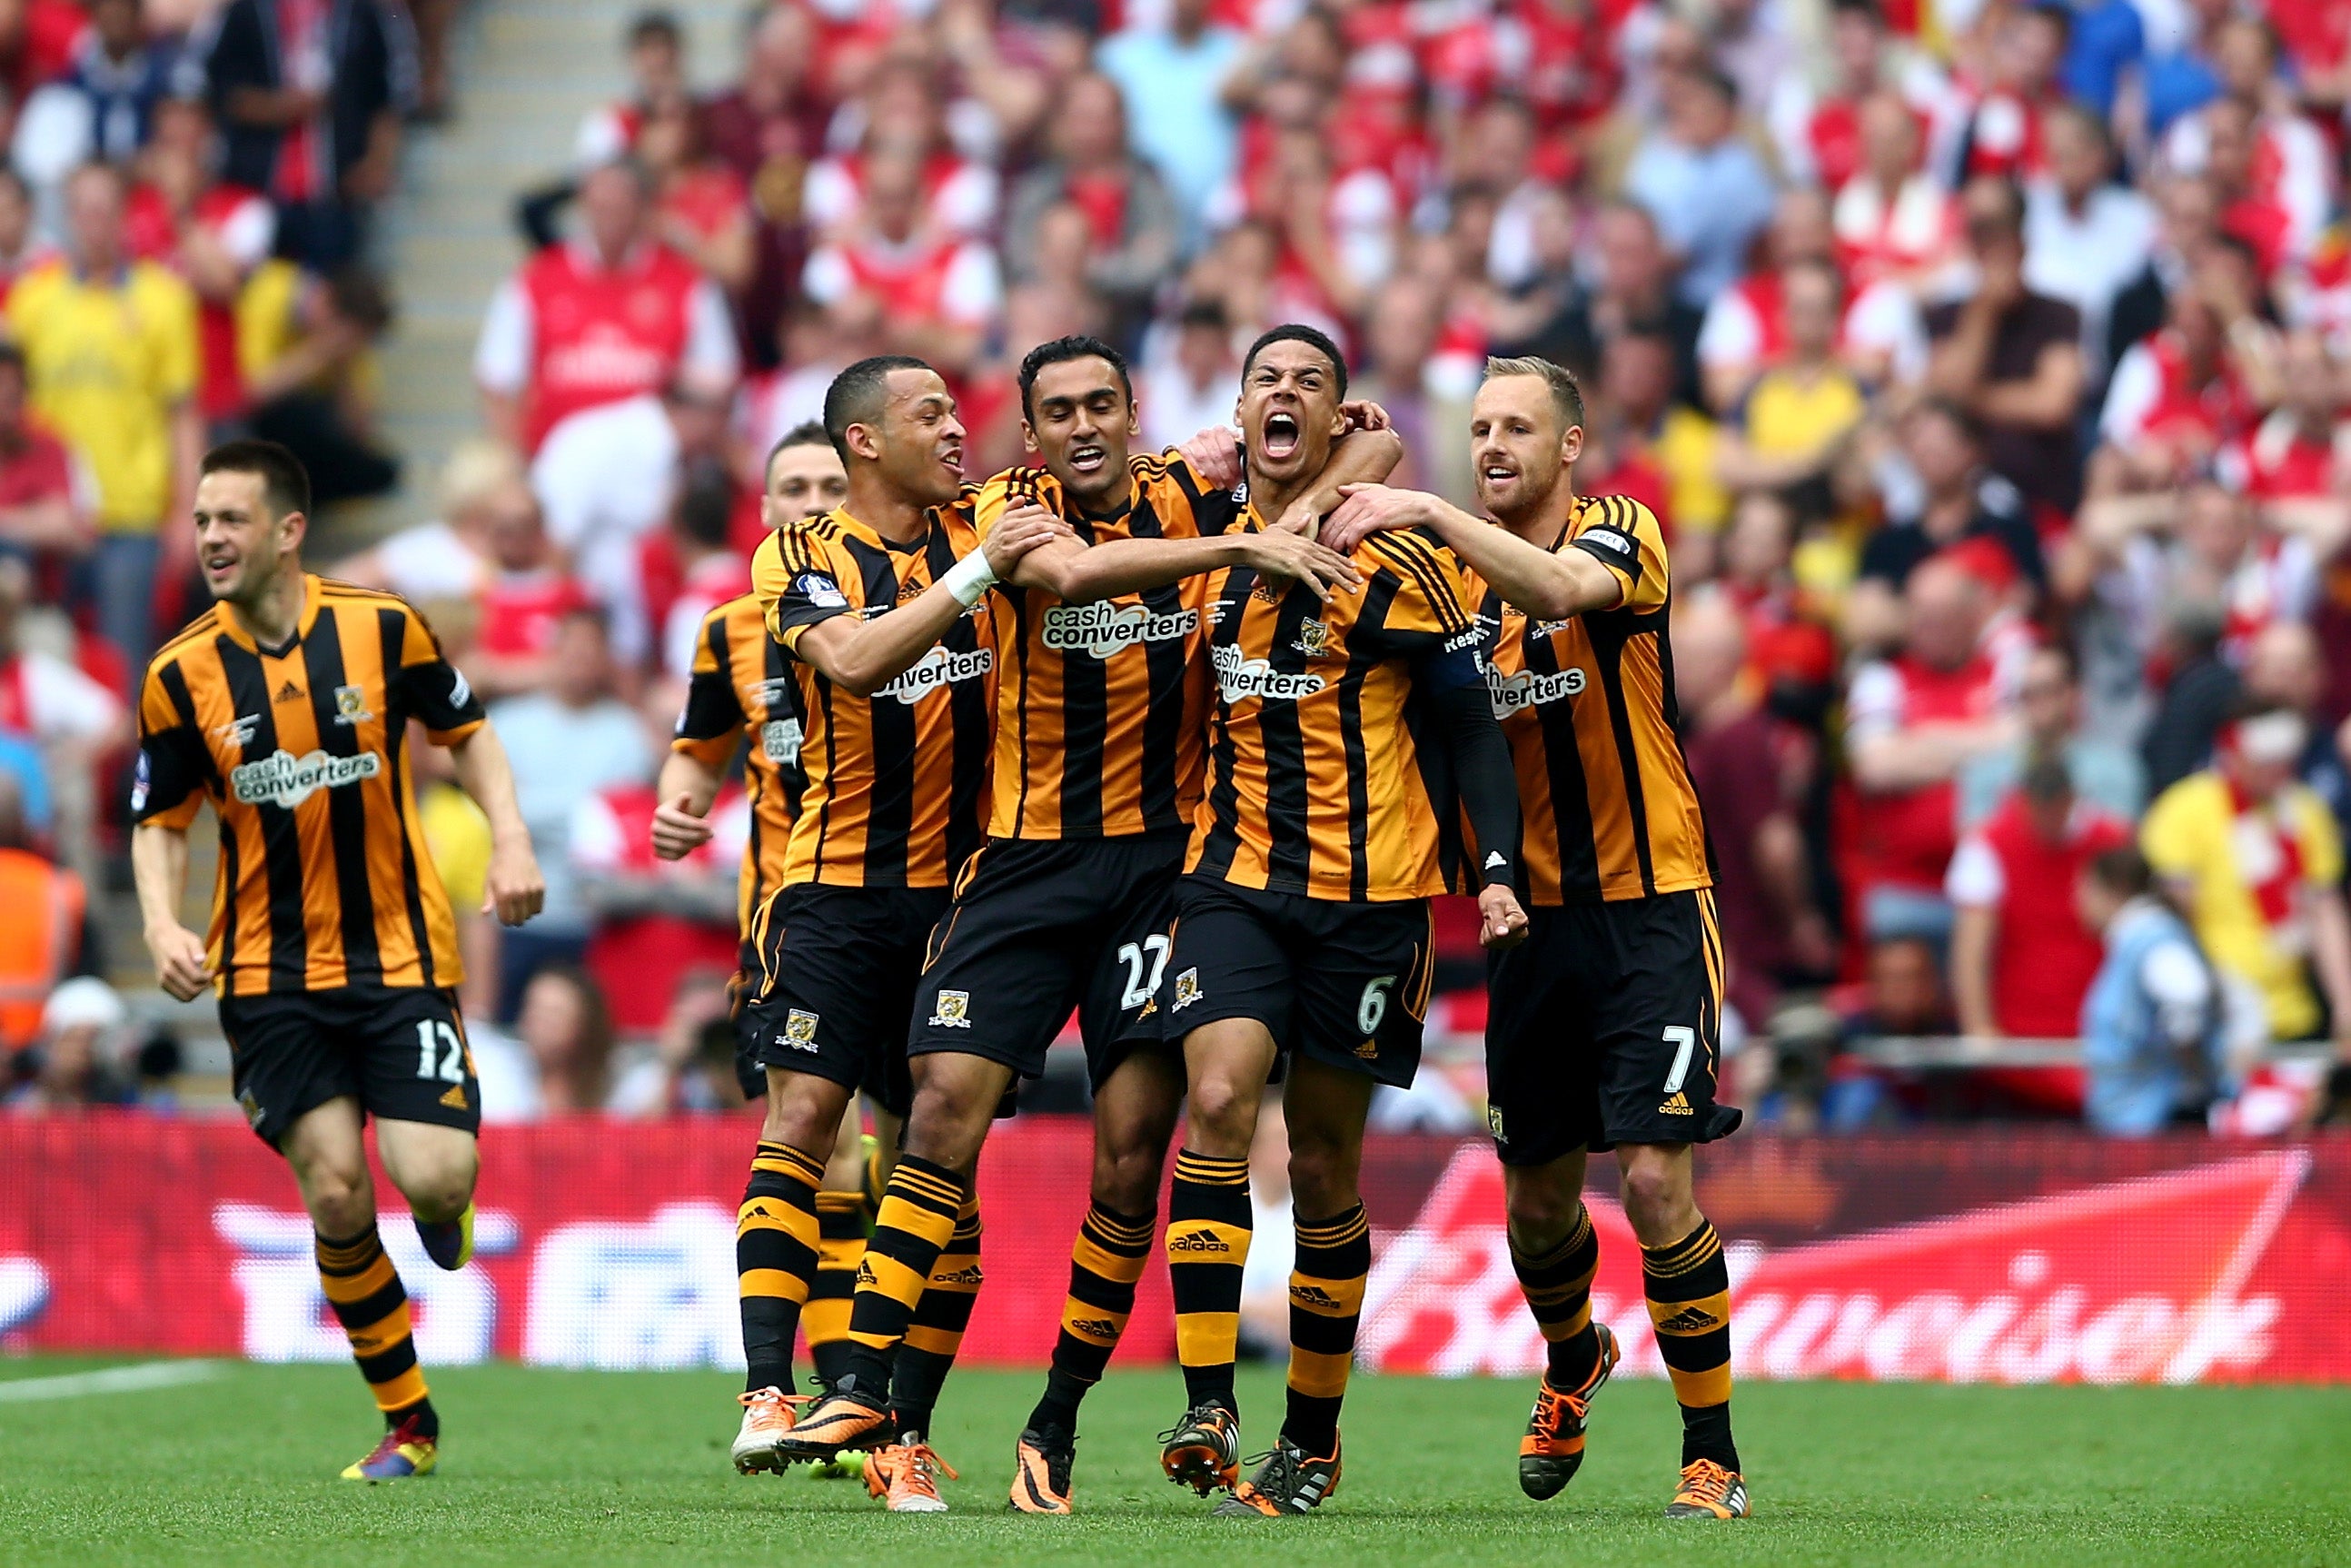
1188, 990
1494, 1123
351, 706
952, 1010
800, 1030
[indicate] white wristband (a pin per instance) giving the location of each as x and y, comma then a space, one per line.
970, 578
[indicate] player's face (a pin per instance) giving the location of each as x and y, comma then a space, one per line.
1520, 453
1081, 423
919, 440
1289, 412
240, 545
803, 482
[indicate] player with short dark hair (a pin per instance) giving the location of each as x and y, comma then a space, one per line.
879, 605
332, 949
1604, 1026
1303, 935
741, 697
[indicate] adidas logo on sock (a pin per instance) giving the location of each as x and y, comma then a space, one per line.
1689, 1321
864, 1272
1676, 1105
1197, 1241
1094, 1328
1313, 1296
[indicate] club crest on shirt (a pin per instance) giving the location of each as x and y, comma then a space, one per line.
819, 591
351, 706
1313, 639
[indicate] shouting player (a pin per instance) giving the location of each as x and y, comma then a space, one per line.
1303, 934
1604, 1026
1097, 741
741, 695
878, 604
332, 947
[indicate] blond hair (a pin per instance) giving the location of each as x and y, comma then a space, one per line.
478, 469
1566, 395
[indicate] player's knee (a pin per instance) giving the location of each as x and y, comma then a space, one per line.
1126, 1177
1322, 1178
804, 1113
1223, 1115
340, 1199
1541, 1213
1656, 1197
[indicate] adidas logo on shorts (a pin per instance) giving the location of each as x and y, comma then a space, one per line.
1676, 1105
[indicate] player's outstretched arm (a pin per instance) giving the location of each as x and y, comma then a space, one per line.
687, 787
513, 890
1366, 455
1079, 573
863, 656
1550, 584
159, 867
1489, 797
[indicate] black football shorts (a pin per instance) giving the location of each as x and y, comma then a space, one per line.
1041, 927
1605, 1028
399, 1050
1345, 983
838, 967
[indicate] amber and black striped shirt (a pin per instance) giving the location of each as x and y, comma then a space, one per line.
1315, 780
1101, 708
897, 782
742, 690
324, 880
1588, 706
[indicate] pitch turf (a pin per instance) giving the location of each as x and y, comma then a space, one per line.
571, 1468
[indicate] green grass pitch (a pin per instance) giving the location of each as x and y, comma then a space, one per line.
573, 1468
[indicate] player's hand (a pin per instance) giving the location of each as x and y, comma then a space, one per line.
1214, 454
1365, 414
182, 968
1023, 528
513, 890
1300, 559
1501, 922
1367, 509
677, 831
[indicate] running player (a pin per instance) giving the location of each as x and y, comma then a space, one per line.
878, 604
1302, 940
740, 698
1604, 1026
332, 949
1098, 761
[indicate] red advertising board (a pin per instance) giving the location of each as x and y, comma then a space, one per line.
1985, 1256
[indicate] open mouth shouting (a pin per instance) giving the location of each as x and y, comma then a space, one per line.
1281, 438
1088, 458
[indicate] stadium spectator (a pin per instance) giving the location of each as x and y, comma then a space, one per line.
2010, 356
1801, 422
110, 347
57, 723
567, 742
610, 316
701, 206
1172, 75
655, 47
937, 288
2288, 169
2086, 239
309, 96
44, 501
2151, 1023
693, 563
2295, 464
1949, 494
692, 1065
310, 371
523, 598
2106, 775
559, 1060
2003, 133
23, 245
45, 936
1892, 221
607, 476
70, 1068
2190, 390
655, 920
2252, 856
1191, 387
1739, 763
1704, 186
2021, 957
1132, 224
2284, 667
104, 105
1645, 422
1912, 724
1791, 657
448, 558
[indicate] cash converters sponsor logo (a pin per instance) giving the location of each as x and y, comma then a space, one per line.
1102, 629
1238, 676
937, 668
286, 780
780, 740
1529, 688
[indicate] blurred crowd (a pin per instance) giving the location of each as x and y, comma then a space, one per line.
1988, 362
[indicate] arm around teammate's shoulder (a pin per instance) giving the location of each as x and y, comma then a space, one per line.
1549, 584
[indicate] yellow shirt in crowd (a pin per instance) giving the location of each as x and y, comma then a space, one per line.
1684, 452
2192, 836
108, 359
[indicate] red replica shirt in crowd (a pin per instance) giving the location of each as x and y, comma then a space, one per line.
601, 335
521, 609
1904, 837
2043, 959
639, 959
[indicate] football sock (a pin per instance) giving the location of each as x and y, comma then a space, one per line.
916, 1221
1326, 1303
840, 1246
1688, 1288
1558, 1289
776, 1236
364, 1290
935, 1334
1208, 1224
1106, 1262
